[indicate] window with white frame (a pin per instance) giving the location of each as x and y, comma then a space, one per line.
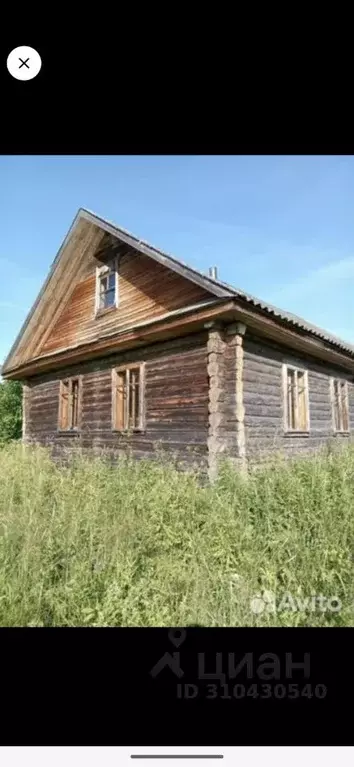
296, 399
340, 405
107, 286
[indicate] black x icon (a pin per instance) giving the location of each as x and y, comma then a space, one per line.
24, 63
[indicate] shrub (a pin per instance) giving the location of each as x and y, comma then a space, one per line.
10, 411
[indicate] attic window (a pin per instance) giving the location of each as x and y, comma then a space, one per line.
107, 286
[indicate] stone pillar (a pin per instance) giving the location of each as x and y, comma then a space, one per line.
237, 332
215, 349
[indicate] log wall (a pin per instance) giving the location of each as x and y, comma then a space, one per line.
193, 404
263, 400
176, 404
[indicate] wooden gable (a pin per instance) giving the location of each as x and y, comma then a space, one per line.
150, 285
146, 290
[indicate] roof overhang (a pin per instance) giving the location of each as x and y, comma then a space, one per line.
184, 322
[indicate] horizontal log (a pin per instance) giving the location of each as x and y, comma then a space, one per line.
257, 365
254, 398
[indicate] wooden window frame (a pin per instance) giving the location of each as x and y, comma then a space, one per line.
287, 429
70, 429
115, 374
103, 271
332, 383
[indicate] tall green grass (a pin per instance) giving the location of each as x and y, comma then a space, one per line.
142, 544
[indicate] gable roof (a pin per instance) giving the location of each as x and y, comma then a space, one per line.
216, 287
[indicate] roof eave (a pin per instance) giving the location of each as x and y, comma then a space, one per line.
183, 321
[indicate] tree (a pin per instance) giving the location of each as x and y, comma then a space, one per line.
10, 411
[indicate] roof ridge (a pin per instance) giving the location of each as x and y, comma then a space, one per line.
282, 314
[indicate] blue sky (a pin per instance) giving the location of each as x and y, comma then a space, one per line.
280, 227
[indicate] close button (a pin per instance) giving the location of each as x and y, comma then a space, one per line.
24, 63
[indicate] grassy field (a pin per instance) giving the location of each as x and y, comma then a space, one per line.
142, 544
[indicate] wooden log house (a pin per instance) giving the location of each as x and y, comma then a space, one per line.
127, 347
